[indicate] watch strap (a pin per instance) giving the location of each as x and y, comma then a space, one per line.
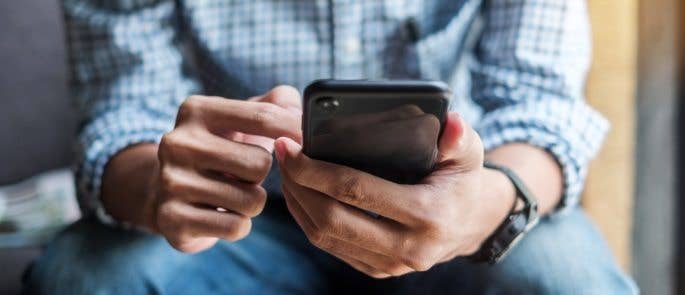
515, 225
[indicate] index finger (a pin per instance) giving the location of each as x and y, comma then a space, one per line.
357, 188
282, 95
222, 115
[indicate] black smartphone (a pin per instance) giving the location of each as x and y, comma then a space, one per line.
387, 128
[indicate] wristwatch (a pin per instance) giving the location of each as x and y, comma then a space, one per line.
514, 227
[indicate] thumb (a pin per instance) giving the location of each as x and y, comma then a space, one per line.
289, 155
460, 144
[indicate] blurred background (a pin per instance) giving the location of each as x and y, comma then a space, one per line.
633, 192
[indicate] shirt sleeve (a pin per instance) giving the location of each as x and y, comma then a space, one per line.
127, 77
531, 63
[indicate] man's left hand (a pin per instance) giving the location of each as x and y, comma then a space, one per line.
448, 214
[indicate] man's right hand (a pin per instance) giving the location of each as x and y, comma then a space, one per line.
206, 183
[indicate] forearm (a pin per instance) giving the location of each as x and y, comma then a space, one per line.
538, 170
125, 189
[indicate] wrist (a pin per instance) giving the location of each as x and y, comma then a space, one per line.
498, 196
516, 224
498, 189
127, 184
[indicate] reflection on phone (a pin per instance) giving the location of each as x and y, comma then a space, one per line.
399, 144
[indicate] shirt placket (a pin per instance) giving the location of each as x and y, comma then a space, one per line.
347, 42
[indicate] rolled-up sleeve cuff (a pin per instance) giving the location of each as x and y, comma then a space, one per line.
100, 140
570, 130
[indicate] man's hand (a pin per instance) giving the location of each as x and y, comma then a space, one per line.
206, 184
450, 213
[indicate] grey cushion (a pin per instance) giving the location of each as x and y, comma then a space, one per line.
36, 120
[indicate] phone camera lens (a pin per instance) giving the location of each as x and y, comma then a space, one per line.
328, 104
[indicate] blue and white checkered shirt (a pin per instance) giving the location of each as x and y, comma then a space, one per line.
517, 66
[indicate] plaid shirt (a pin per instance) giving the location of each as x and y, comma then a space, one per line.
517, 66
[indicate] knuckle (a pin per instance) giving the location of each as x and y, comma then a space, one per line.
351, 188
256, 201
420, 258
193, 102
167, 212
265, 114
274, 95
176, 145
167, 219
395, 269
409, 110
428, 132
176, 242
317, 238
286, 90
169, 183
182, 244
260, 164
417, 264
189, 107
284, 94
238, 229
167, 145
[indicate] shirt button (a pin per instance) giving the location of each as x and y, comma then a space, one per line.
352, 45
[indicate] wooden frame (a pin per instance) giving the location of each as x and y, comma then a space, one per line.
611, 89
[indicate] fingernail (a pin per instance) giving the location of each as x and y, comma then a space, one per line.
460, 127
291, 147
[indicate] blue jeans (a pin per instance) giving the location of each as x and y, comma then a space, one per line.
562, 255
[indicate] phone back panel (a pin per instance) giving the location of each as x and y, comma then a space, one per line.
387, 128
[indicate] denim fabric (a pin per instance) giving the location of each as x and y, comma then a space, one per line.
562, 255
